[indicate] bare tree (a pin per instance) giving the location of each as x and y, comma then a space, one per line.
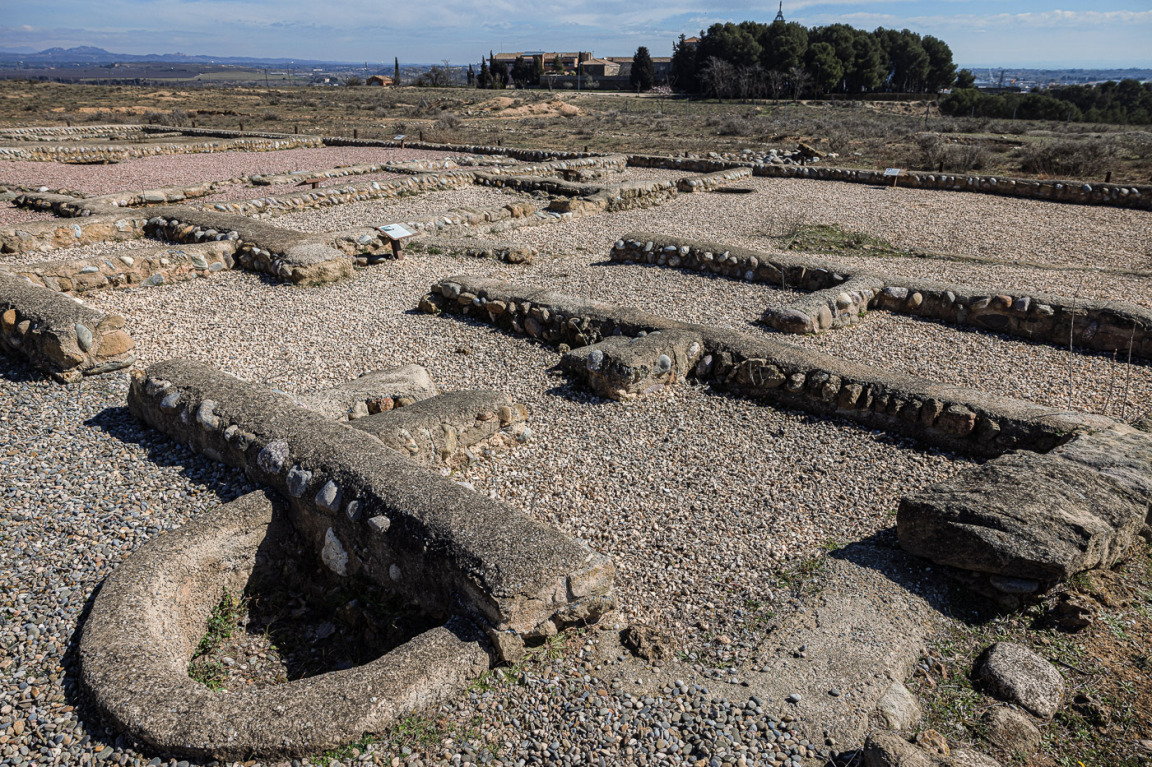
438, 76
800, 80
777, 81
749, 81
717, 77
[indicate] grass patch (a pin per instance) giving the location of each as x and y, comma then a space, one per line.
829, 238
222, 624
1108, 702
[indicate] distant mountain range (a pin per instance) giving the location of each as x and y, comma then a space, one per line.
88, 54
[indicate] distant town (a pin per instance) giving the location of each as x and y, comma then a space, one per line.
583, 69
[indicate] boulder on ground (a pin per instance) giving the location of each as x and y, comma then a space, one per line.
1012, 731
898, 708
1029, 520
887, 749
1015, 674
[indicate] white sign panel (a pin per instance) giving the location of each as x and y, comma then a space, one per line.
396, 231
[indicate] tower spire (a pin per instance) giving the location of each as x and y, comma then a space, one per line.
779, 13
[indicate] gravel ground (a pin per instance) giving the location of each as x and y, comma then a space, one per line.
111, 484
161, 170
719, 492
10, 214
106, 249
395, 209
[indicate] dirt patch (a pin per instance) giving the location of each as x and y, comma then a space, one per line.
503, 106
132, 110
1107, 667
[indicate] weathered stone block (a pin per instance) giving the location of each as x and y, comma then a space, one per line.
1037, 517
621, 368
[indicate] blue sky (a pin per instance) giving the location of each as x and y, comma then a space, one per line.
1075, 33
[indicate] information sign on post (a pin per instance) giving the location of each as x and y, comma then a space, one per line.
396, 234
895, 173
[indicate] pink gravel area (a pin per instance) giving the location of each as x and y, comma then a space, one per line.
10, 214
362, 179
245, 192
165, 170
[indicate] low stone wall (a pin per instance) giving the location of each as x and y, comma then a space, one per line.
711, 181
1077, 192
509, 253
525, 182
287, 255
69, 206
58, 334
524, 155
109, 154
784, 270
838, 307
155, 266
954, 417
161, 196
1057, 320
274, 179
56, 235
57, 132
270, 207
166, 592
374, 514
613, 198
561, 168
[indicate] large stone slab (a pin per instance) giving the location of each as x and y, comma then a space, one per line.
71, 233
443, 429
1039, 518
621, 368
373, 392
375, 514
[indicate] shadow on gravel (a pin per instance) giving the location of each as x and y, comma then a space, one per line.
18, 371
226, 482
881, 552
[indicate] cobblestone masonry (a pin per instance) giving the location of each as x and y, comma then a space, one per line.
839, 297
952, 416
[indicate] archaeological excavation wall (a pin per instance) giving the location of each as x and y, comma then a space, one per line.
359, 498
838, 297
1066, 492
